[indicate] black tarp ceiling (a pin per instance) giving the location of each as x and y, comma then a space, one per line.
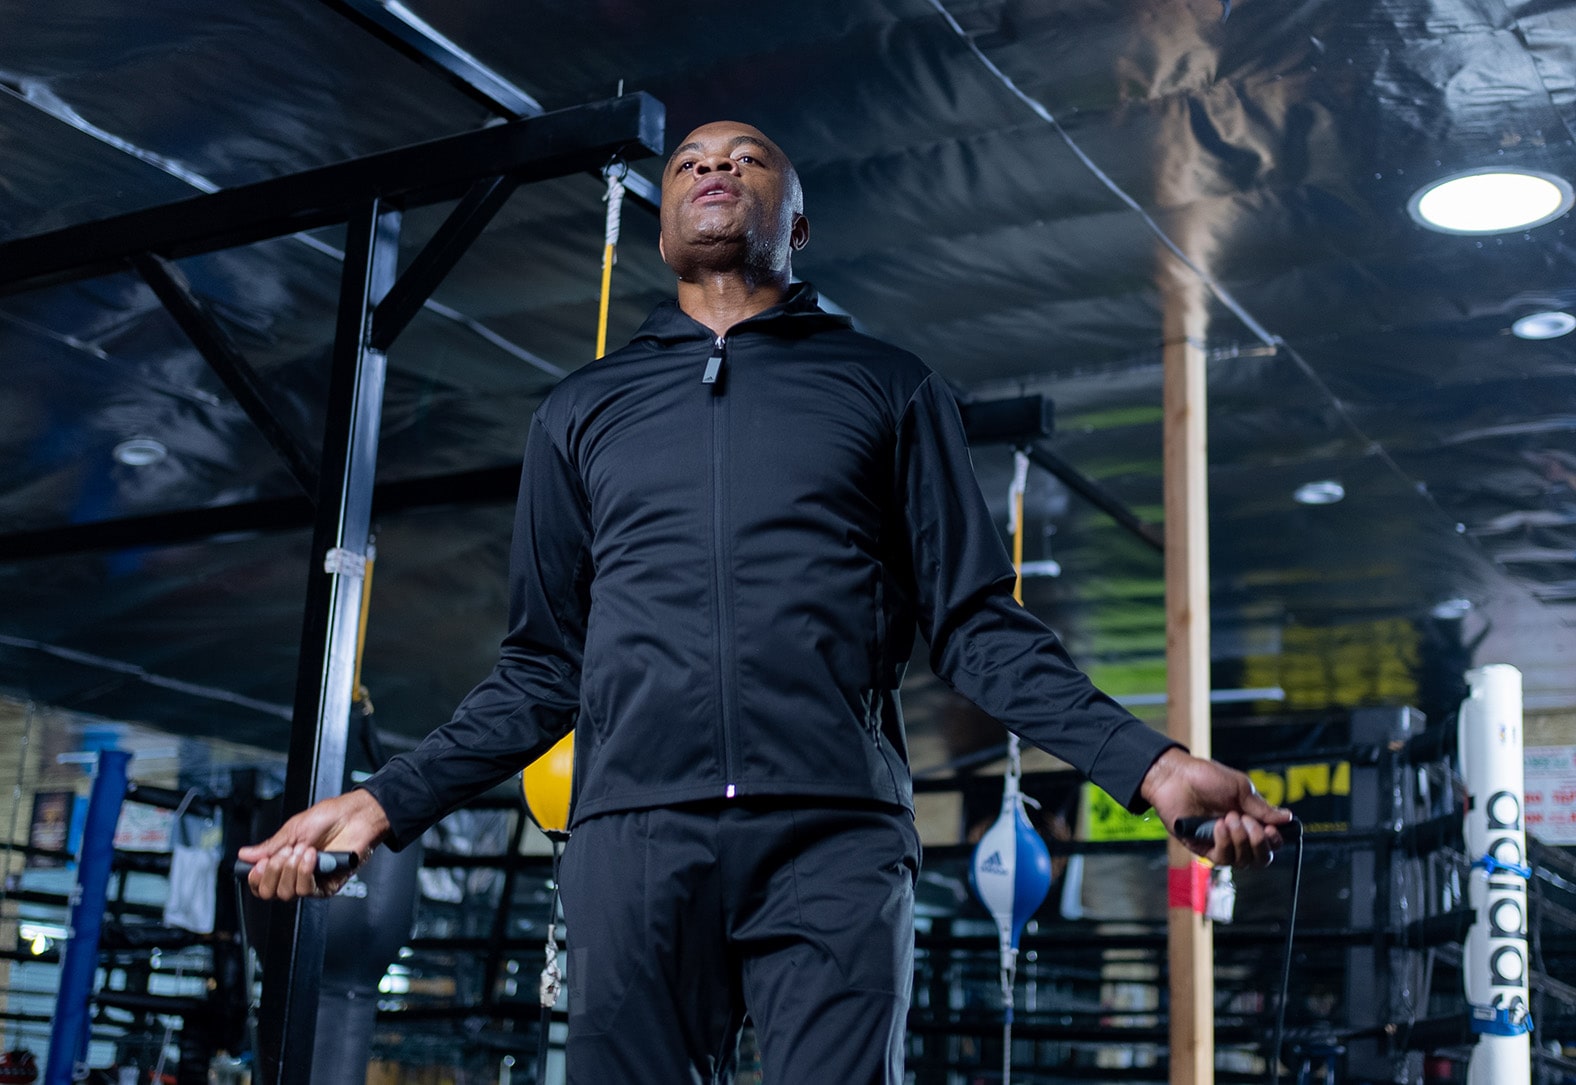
1280, 146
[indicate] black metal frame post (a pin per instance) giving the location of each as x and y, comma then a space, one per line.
369, 193
319, 736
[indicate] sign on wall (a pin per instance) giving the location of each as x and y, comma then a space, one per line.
1551, 793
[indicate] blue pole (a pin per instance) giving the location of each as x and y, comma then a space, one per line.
68, 1038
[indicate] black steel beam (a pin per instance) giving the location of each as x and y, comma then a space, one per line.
438, 257
459, 69
225, 359
1097, 495
157, 529
446, 60
535, 148
1019, 421
319, 733
483, 486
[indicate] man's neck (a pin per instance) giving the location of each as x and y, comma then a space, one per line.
720, 300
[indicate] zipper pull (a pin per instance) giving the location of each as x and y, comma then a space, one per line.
714, 363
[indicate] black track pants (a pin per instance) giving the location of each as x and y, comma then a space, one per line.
681, 917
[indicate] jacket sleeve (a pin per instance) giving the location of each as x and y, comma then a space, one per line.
532, 697
982, 643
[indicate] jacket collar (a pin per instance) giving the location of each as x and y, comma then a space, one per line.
799, 313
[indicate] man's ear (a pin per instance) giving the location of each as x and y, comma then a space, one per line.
662, 249
799, 233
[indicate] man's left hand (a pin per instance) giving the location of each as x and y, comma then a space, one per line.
1180, 785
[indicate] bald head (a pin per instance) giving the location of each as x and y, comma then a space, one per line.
731, 205
737, 133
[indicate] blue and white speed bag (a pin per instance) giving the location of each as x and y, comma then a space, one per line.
1011, 870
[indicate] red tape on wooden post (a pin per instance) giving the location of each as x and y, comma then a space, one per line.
1188, 887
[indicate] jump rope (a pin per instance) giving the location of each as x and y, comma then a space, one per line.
1198, 829
1203, 831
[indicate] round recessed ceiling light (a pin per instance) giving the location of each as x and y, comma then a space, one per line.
1324, 492
140, 452
1544, 325
1491, 201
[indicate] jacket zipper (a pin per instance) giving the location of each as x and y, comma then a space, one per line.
720, 565
714, 363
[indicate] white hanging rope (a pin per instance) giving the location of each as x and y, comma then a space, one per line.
615, 202
1012, 790
1020, 483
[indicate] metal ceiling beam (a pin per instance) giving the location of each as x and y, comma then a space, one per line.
536, 148
484, 486
403, 30
481, 486
225, 359
438, 257
1097, 495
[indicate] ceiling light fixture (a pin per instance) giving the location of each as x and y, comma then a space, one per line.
1550, 325
1324, 492
140, 452
1491, 201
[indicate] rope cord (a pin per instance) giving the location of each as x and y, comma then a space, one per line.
552, 979
1008, 978
1279, 1037
360, 692
1009, 955
615, 173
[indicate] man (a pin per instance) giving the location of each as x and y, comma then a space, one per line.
728, 535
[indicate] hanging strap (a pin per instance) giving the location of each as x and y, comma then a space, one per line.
1012, 788
552, 979
615, 173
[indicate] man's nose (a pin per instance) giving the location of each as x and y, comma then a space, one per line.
722, 164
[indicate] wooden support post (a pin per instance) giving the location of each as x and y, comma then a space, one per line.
1191, 940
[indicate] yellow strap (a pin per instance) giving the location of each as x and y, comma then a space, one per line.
358, 692
607, 290
615, 173
1017, 545
1020, 480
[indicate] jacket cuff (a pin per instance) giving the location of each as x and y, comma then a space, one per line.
1125, 759
405, 797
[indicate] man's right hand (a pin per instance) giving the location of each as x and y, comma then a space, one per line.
284, 866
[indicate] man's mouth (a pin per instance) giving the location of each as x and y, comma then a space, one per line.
713, 189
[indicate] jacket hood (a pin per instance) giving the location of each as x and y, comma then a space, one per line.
801, 310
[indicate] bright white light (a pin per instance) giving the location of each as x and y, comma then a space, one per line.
1324, 492
1491, 201
140, 452
1047, 567
1544, 326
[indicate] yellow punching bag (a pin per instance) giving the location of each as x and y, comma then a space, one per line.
548, 782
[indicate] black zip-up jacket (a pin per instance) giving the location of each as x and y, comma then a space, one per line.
722, 552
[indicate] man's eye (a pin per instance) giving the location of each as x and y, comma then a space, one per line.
750, 158
686, 165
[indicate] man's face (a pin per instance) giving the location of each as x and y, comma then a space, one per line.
730, 203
